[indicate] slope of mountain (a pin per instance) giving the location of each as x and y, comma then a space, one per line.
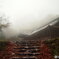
50, 31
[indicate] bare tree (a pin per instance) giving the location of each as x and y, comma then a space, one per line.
3, 24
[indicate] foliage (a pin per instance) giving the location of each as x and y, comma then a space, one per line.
53, 44
3, 45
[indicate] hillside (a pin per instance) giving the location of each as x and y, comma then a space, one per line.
50, 31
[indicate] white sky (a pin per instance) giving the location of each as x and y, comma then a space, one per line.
27, 15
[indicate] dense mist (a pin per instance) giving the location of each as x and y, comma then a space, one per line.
26, 16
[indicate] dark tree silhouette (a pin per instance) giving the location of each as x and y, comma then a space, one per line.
3, 24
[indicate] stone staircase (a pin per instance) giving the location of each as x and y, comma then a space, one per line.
27, 49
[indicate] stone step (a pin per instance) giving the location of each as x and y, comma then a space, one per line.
28, 46
28, 54
24, 50
27, 49
25, 58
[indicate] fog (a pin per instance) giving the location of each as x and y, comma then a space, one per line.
26, 16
